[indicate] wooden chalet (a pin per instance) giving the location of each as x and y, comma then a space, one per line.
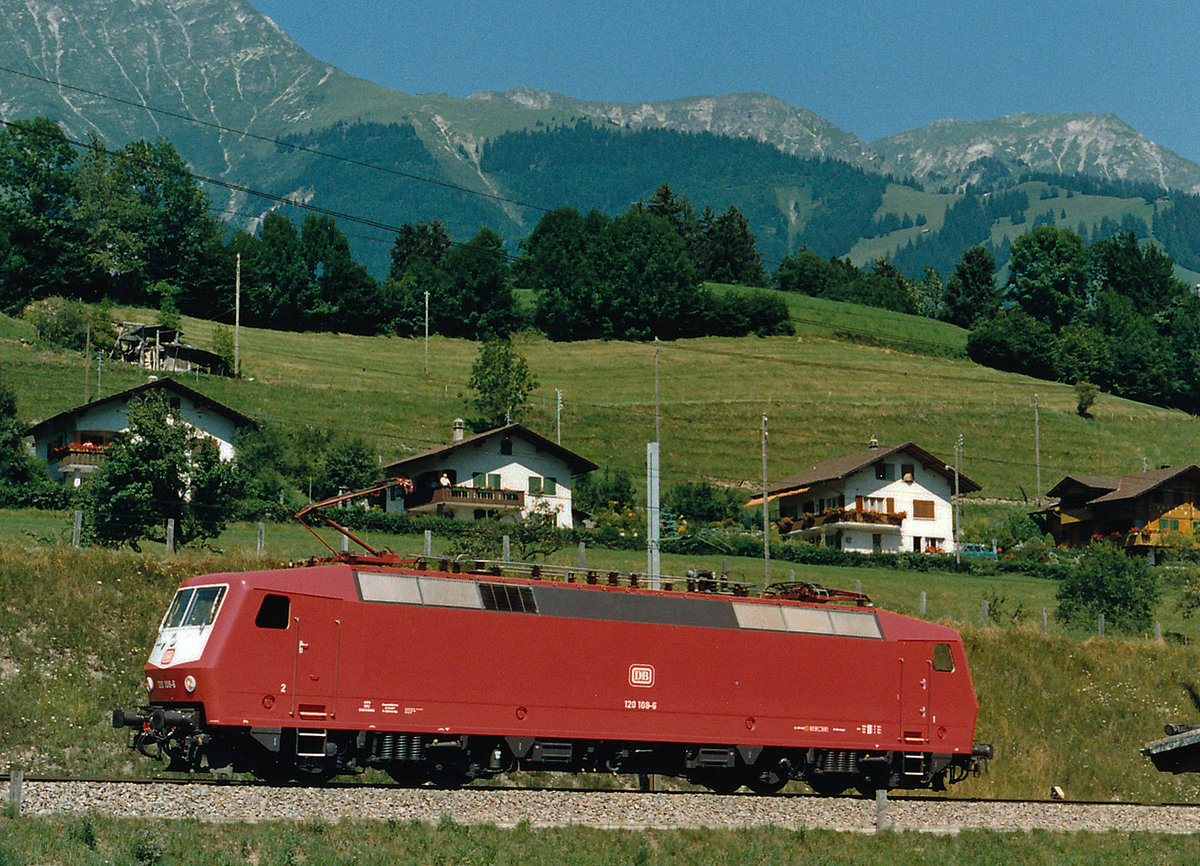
1136, 511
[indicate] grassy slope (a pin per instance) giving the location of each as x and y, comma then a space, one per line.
823, 397
1088, 209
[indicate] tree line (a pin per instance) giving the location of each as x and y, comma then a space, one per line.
134, 227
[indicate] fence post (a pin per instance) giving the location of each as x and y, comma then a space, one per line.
791, 575
345, 544
858, 586
262, 538
1158, 632
582, 553
77, 530
505, 548
1044, 624
881, 818
428, 542
16, 780
922, 602
1100, 625
984, 612
170, 535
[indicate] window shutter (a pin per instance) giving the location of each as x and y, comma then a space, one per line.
891, 505
858, 503
535, 485
548, 486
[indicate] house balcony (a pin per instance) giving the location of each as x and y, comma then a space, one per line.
486, 498
77, 456
841, 519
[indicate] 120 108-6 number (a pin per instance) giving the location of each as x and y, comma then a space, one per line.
641, 705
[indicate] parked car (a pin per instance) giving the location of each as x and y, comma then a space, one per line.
978, 551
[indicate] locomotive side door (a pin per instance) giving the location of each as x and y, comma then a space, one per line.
318, 627
916, 668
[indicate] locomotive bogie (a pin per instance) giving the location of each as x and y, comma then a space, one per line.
441, 678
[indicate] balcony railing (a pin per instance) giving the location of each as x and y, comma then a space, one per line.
842, 516
488, 498
77, 454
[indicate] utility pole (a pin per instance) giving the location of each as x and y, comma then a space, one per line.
237, 319
558, 414
766, 508
1037, 448
87, 364
657, 433
957, 507
653, 561
427, 334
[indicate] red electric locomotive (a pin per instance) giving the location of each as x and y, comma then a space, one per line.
446, 672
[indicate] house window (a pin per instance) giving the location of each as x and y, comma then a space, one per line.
478, 480
535, 485
877, 543
876, 503
907, 471
506, 446
548, 486
175, 403
923, 509
810, 507
885, 472
1165, 525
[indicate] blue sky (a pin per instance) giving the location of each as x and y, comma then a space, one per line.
872, 67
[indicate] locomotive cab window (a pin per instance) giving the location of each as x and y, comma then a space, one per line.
943, 659
274, 612
194, 607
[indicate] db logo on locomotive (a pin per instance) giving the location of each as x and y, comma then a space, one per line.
641, 676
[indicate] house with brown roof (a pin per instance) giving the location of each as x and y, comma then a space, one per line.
881, 500
506, 473
1136, 511
73, 441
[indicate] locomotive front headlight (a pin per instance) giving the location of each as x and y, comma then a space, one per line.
149, 684
189, 683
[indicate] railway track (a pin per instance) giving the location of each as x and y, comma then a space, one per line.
236, 800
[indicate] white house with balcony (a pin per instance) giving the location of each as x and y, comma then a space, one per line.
73, 442
882, 500
507, 473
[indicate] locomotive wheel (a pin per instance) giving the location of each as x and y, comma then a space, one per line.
768, 782
828, 786
408, 777
718, 782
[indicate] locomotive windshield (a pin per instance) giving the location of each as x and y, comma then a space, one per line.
194, 606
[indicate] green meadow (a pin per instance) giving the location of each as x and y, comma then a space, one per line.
850, 373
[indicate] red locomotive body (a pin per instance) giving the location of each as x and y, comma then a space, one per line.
433, 675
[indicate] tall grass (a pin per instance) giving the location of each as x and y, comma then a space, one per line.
98, 839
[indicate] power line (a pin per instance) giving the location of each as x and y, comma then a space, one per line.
269, 140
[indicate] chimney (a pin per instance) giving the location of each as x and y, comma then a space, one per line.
458, 430
872, 443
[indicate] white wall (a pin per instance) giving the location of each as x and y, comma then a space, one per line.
514, 470
925, 485
110, 418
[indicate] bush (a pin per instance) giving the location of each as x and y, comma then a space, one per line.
68, 324
1107, 581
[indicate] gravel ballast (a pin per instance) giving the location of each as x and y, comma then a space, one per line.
607, 809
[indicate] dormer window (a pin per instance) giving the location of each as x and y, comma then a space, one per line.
506, 446
885, 472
